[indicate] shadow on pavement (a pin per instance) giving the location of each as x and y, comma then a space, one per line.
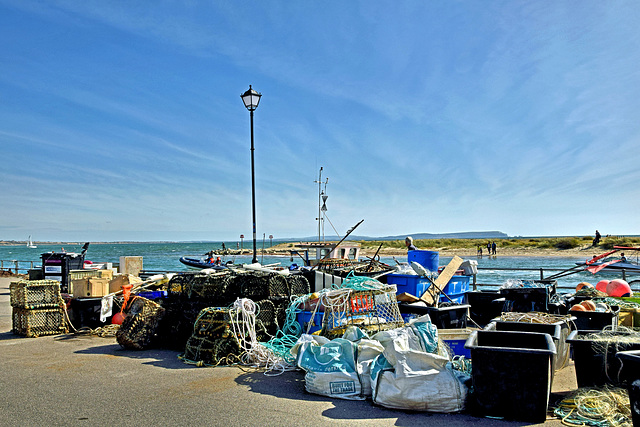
290, 385
167, 359
10, 336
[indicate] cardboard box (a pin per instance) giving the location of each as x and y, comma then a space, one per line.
106, 274
130, 265
119, 280
90, 287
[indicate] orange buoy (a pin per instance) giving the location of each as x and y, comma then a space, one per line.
602, 285
619, 288
117, 319
582, 285
588, 305
578, 307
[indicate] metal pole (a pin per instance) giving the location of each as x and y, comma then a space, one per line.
319, 202
253, 194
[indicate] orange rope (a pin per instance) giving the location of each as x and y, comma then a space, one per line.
126, 293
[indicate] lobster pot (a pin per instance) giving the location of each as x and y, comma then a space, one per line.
298, 284
32, 294
370, 310
138, 328
213, 323
213, 341
205, 351
199, 286
37, 322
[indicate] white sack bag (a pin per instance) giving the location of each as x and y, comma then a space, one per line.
368, 350
330, 368
405, 376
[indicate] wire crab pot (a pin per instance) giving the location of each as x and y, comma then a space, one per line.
371, 310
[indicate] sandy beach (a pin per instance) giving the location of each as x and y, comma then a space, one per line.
581, 252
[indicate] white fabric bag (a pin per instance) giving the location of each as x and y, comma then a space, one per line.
330, 367
405, 376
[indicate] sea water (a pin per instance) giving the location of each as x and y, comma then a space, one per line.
162, 256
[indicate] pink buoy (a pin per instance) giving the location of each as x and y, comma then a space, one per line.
619, 288
602, 285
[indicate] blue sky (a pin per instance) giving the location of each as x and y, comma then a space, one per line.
123, 121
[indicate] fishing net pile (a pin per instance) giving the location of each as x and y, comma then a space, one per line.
619, 340
534, 317
599, 407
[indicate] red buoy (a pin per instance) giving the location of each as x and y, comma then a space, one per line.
602, 285
619, 288
117, 319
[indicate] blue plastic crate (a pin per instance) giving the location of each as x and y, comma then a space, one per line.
304, 318
428, 259
152, 294
409, 283
456, 289
455, 339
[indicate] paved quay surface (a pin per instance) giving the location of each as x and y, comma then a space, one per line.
88, 380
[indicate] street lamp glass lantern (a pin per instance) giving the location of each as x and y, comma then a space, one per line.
251, 98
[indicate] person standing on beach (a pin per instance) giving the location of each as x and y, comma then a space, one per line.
596, 240
479, 250
493, 247
408, 242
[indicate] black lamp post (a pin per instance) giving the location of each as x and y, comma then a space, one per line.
251, 98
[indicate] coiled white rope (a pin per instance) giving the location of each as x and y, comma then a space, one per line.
243, 327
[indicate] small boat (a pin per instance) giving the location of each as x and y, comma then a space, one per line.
615, 266
30, 243
201, 263
605, 262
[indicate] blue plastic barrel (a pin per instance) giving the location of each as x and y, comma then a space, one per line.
428, 259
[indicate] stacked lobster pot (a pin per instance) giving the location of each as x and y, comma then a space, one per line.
38, 308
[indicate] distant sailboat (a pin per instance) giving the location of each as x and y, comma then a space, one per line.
30, 244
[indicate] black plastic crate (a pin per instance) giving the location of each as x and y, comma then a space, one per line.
443, 317
559, 332
532, 295
597, 365
484, 306
85, 312
596, 320
512, 374
631, 362
58, 265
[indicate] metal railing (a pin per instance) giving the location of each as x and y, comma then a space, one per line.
634, 284
16, 266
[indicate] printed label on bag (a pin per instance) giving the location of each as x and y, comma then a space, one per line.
342, 387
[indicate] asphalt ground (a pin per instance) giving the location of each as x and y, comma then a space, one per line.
88, 380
